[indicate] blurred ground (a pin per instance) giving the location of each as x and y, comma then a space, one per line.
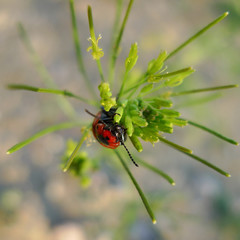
38, 201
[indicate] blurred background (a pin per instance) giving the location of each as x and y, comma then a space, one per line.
38, 201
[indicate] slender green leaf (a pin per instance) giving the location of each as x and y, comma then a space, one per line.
78, 50
196, 35
115, 29
97, 52
48, 90
174, 145
43, 72
118, 40
205, 162
144, 199
189, 153
212, 132
202, 90
157, 171
45, 131
81, 141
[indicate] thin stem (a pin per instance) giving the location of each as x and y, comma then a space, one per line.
144, 199
174, 145
201, 100
78, 51
118, 40
47, 79
202, 90
81, 141
93, 37
114, 36
212, 132
100, 69
134, 88
48, 90
196, 158
208, 164
123, 84
196, 35
172, 74
156, 170
43, 132
143, 80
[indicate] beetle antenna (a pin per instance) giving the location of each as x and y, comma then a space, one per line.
93, 115
129, 154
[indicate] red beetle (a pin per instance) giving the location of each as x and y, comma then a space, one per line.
108, 133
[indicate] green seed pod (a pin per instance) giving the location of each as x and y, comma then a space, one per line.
147, 88
136, 143
138, 131
161, 102
139, 121
118, 114
169, 112
128, 125
166, 129
135, 113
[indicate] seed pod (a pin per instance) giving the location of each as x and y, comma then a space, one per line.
128, 125
136, 143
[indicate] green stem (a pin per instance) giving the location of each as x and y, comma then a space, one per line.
156, 170
196, 35
174, 145
172, 74
183, 150
93, 37
48, 90
208, 164
47, 79
203, 90
78, 51
143, 80
144, 199
115, 29
201, 100
45, 131
81, 141
123, 84
212, 132
134, 88
118, 40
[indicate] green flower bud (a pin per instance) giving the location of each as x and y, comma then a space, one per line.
132, 58
156, 64
139, 121
170, 112
128, 124
107, 102
97, 52
118, 115
136, 143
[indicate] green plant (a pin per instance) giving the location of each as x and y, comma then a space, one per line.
144, 104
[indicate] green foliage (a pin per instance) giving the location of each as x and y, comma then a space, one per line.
105, 93
143, 106
82, 165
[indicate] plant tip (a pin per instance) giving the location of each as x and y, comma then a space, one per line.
173, 183
154, 221
226, 13
7, 152
228, 175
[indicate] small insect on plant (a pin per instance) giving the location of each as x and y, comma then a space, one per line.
142, 109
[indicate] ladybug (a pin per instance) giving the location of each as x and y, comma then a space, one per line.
108, 133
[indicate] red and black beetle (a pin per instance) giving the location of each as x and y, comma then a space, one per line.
108, 133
